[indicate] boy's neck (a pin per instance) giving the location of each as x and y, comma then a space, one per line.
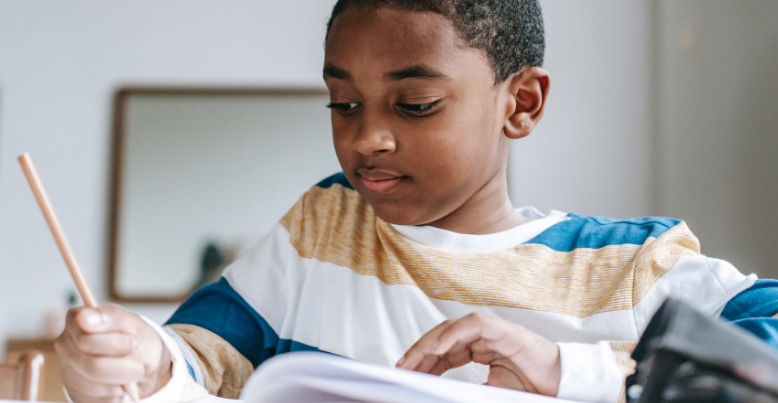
487, 212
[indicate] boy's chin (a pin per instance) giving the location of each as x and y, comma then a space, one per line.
398, 215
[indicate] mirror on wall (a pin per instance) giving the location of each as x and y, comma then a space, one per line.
200, 174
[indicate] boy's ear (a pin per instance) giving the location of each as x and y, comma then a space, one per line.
528, 91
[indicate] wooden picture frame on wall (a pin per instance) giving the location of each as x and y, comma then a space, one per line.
119, 128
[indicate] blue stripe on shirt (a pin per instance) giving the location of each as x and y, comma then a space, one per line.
596, 232
753, 310
219, 308
339, 179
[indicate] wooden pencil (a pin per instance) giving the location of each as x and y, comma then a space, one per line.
64, 246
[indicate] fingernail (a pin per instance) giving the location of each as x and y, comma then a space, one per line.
435, 346
402, 360
93, 318
134, 344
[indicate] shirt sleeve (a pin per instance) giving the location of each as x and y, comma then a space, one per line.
669, 266
707, 284
224, 333
215, 364
181, 387
605, 364
756, 310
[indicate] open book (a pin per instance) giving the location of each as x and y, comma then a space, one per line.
320, 377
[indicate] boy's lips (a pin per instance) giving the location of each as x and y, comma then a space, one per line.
380, 180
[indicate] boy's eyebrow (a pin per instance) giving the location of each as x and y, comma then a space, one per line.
415, 71
330, 70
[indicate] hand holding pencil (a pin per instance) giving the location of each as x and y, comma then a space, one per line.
104, 348
106, 354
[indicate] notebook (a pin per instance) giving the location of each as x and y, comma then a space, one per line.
320, 377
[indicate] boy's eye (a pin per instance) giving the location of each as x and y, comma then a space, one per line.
417, 109
343, 107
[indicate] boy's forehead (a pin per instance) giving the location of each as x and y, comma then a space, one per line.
378, 41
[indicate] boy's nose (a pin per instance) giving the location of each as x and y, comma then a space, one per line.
372, 141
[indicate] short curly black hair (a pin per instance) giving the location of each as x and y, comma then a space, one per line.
510, 32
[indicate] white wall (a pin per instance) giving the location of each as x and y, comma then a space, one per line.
664, 108
592, 151
718, 128
60, 62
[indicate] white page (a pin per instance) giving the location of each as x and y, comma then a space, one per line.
345, 379
378, 392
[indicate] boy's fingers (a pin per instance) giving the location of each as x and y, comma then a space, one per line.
106, 344
84, 391
79, 385
440, 368
106, 370
417, 352
72, 312
469, 329
456, 357
107, 318
427, 363
89, 320
449, 342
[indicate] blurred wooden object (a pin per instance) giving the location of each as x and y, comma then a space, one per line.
51, 389
22, 380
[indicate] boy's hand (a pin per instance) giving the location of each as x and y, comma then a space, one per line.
104, 348
518, 359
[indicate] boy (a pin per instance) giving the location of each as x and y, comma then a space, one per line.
415, 255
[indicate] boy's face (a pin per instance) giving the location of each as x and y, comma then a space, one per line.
417, 120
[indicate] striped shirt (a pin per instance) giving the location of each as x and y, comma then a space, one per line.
332, 276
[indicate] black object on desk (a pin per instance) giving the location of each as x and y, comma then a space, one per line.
687, 357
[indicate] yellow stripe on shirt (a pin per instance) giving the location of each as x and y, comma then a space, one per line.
579, 283
224, 369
